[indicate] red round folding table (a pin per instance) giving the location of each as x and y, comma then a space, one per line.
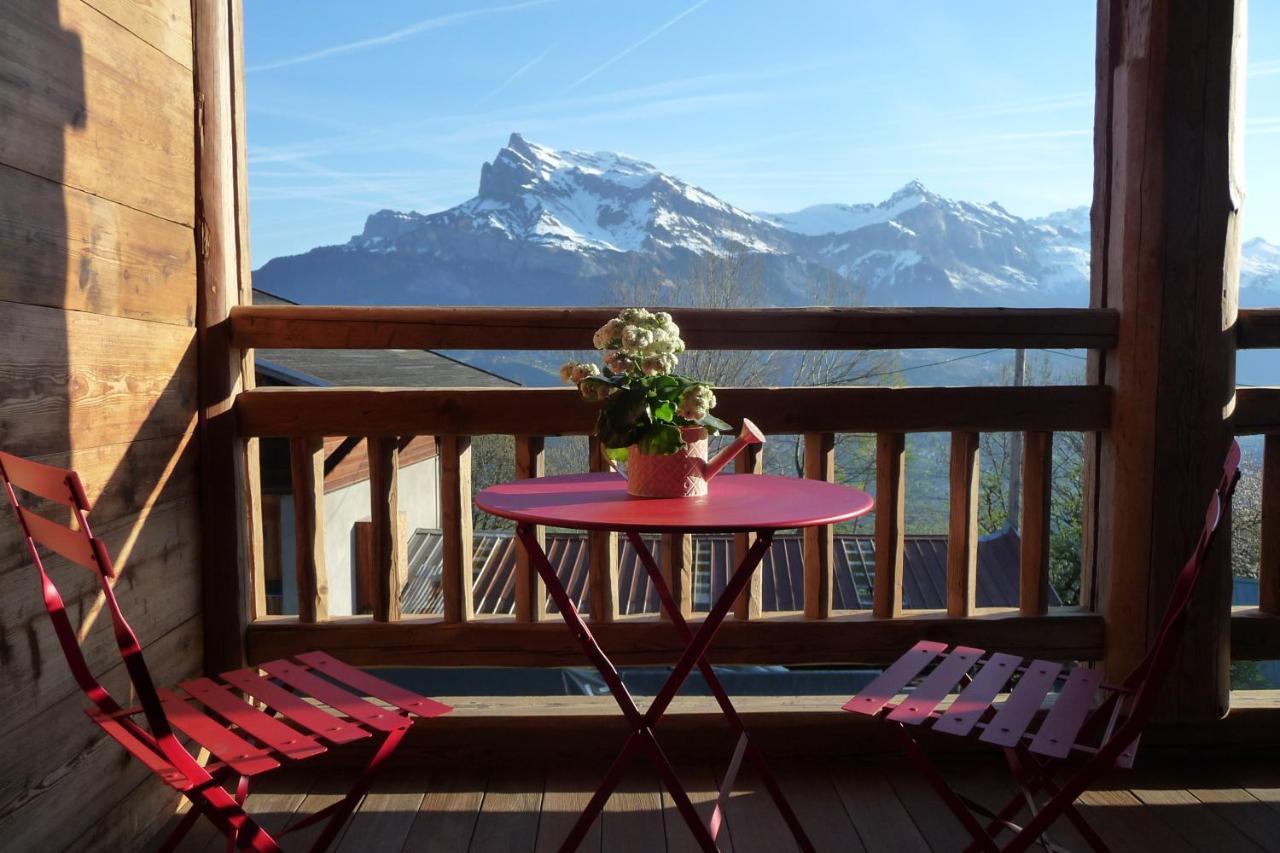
736, 503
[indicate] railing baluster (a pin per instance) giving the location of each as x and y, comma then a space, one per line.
962, 541
1037, 491
603, 549
531, 592
306, 466
456, 579
890, 524
1269, 564
384, 515
819, 542
748, 605
676, 559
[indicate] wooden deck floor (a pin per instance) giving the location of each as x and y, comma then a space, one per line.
851, 806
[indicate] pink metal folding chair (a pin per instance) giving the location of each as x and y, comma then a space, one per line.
314, 697
1106, 734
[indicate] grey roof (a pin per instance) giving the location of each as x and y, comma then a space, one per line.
782, 572
349, 367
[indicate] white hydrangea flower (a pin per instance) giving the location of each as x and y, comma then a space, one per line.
655, 364
617, 361
636, 338
566, 372
582, 371
606, 337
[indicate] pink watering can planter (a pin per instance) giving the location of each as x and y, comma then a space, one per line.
685, 473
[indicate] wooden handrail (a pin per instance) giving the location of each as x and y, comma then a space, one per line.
1258, 328
559, 411
351, 327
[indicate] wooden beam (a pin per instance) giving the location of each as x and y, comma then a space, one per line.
306, 464
1255, 635
1257, 410
457, 568
602, 548
1258, 328
819, 542
1168, 144
351, 327
226, 482
1269, 534
384, 514
675, 557
531, 592
962, 539
1037, 496
1066, 634
750, 602
559, 411
891, 525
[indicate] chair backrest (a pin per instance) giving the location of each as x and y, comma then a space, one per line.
77, 544
1148, 677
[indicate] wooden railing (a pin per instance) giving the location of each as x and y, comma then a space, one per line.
818, 633
1255, 631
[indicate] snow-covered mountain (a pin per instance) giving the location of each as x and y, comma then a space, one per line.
563, 227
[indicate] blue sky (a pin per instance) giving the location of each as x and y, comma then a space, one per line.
770, 106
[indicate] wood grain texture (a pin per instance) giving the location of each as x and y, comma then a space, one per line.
353, 327
557, 411
531, 592
675, 558
163, 24
819, 542
602, 578
96, 108
1066, 634
306, 457
1269, 532
750, 602
962, 536
1037, 495
456, 522
891, 524
384, 514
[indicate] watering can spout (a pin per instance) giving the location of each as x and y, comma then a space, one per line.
750, 434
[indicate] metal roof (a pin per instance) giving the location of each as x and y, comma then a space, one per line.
782, 572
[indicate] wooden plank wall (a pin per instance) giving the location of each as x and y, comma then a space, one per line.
97, 371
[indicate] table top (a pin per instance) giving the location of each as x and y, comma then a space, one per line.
735, 502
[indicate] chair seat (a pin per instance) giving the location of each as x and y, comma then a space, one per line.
1008, 723
315, 697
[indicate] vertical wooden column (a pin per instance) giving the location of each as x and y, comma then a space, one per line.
457, 568
748, 605
891, 524
962, 540
306, 467
384, 513
603, 550
231, 528
1269, 562
676, 559
1037, 493
531, 592
1168, 129
819, 542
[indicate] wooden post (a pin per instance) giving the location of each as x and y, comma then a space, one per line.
455, 521
962, 541
819, 542
676, 560
890, 524
306, 465
231, 545
1269, 556
531, 592
748, 605
1037, 483
384, 516
1168, 129
602, 547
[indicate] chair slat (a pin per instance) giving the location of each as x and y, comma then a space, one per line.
1011, 721
335, 697
38, 479
405, 700
1058, 732
975, 699
297, 709
243, 757
889, 683
71, 544
139, 750
917, 707
275, 734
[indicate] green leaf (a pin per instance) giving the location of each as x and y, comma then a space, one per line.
660, 439
617, 454
711, 422
665, 412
